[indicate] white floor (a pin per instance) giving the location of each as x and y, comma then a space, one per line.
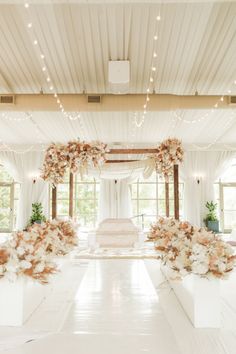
119, 306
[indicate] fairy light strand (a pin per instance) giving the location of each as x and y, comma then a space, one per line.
47, 76
139, 121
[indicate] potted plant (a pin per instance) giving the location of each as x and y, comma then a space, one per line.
37, 214
211, 220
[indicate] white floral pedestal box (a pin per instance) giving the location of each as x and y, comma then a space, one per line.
199, 297
19, 299
117, 233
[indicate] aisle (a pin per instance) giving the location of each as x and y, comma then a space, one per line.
116, 310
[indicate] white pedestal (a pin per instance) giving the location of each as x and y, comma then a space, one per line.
199, 297
19, 299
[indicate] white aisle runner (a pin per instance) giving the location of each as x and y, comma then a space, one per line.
116, 310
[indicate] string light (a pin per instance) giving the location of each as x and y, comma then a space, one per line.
228, 126
38, 134
48, 78
138, 122
204, 116
26, 116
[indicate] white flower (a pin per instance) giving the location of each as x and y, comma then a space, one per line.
25, 264
20, 251
39, 268
199, 268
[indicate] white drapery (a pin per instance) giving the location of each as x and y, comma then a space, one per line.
115, 193
25, 168
115, 190
115, 199
199, 172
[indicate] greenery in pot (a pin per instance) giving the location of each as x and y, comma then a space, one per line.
211, 219
37, 214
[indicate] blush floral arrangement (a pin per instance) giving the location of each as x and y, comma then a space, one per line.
186, 249
170, 152
76, 156
32, 253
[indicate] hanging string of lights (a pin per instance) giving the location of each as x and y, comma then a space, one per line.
140, 118
25, 116
42, 58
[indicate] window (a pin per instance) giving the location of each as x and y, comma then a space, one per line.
148, 199
85, 201
225, 193
9, 198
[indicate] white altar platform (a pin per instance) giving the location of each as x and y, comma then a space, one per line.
117, 233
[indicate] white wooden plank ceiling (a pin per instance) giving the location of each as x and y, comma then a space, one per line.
196, 51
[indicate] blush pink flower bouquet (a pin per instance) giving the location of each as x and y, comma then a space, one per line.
186, 249
76, 156
32, 253
170, 152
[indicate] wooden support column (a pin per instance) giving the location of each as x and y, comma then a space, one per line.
176, 191
71, 194
167, 197
54, 203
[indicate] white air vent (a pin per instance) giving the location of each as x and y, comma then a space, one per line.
94, 99
7, 99
232, 100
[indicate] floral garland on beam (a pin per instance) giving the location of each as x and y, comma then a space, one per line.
189, 250
169, 153
76, 156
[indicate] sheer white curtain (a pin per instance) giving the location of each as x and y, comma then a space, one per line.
115, 193
24, 168
199, 171
115, 199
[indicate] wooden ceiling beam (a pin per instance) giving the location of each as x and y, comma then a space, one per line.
113, 103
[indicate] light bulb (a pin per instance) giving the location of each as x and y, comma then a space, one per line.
153, 68
42, 56
29, 25
154, 55
35, 42
44, 68
48, 79
158, 18
151, 79
51, 88
26, 5
155, 38
148, 99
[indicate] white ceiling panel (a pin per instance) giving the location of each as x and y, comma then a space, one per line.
196, 46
